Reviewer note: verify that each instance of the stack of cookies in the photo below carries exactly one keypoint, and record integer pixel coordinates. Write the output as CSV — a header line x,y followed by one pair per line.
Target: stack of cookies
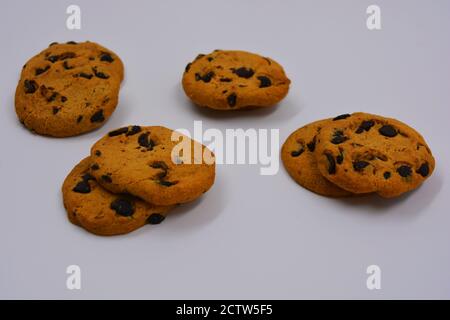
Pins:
x,y
135,176
356,154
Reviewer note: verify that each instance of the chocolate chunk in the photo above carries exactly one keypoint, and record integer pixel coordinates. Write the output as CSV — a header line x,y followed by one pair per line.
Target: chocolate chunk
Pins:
x,y
30,86
159,165
95,167
53,58
52,44
312,145
83,75
188,66
231,99
404,171
340,159
338,137
200,55
134,130
82,187
79,119
123,207
388,131
331,163
52,97
365,126
99,74
210,59
167,183
205,78
155,218
341,117
145,141
87,177
106,178
423,170
387,175
243,72
63,99
66,65
98,116
56,110
41,70
105,56
71,42
360,165
225,80
118,132
264,82
67,55
297,153
98,153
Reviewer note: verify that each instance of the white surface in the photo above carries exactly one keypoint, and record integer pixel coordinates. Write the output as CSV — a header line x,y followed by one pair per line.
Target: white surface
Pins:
x,y
250,236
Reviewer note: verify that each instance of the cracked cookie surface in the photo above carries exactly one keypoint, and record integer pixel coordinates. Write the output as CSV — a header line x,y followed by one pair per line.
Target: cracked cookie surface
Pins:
x,y
365,153
230,80
298,158
68,89
138,160
101,212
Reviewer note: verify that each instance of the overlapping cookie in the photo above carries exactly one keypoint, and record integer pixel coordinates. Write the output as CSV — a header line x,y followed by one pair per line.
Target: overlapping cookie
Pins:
x,y
231,80
101,212
68,89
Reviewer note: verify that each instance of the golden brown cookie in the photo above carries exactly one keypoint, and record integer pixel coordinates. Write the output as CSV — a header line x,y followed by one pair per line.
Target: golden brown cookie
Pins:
x,y
365,153
230,80
139,161
298,158
101,212
68,89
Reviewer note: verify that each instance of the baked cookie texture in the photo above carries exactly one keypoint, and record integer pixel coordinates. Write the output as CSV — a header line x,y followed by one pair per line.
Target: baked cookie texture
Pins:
x,y
297,154
231,80
138,160
365,153
69,89
101,212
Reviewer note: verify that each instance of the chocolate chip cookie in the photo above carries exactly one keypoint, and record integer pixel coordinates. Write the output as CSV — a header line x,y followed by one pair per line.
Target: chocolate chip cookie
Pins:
x,y
101,212
68,89
145,162
230,80
298,158
365,153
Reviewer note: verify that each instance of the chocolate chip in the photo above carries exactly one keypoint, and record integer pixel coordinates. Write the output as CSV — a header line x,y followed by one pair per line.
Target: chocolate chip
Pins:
x,y
30,86
188,66
331,163
79,119
56,110
297,153
145,142
98,116
66,65
167,183
225,80
105,56
95,167
123,207
210,59
106,178
200,55
423,170
231,99
404,171
118,132
155,218
243,72
388,131
41,70
360,165
71,42
134,130
312,144
53,58
67,55
52,97
387,175
82,187
365,126
63,99
87,177
340,159
341,117
338,137
99,74
98,153
83,75
52,44
264,82
205,78
159,165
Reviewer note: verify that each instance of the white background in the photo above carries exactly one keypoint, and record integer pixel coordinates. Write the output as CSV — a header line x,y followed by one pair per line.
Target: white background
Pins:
x,y
250,236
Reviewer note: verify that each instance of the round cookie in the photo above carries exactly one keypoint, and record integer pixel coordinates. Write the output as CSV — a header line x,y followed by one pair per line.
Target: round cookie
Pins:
x,y
230,80
365,153
101,212
298,158
139,161
68,89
